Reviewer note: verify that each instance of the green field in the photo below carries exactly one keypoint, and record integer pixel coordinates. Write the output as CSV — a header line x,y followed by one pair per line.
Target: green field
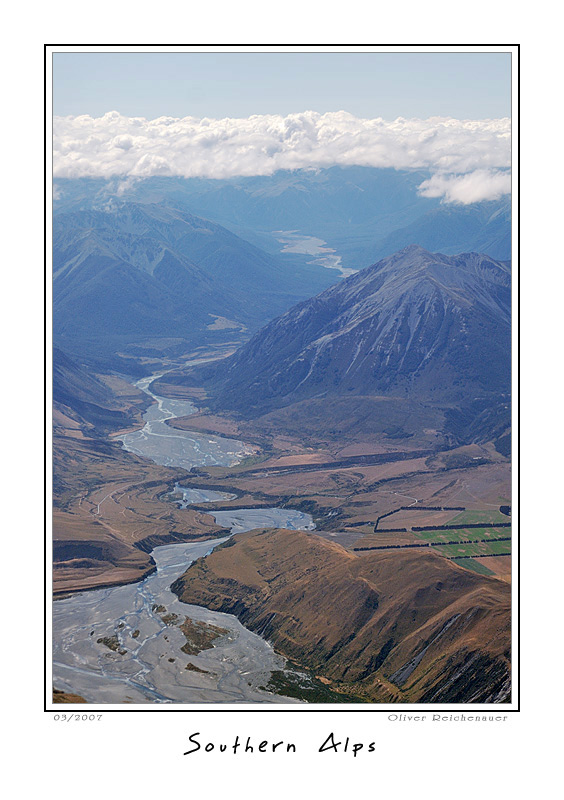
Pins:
x,y
469,563
473,517
477,549
462,534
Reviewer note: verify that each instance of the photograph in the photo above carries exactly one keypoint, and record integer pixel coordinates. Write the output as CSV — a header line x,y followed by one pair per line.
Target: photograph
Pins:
x,y
281,333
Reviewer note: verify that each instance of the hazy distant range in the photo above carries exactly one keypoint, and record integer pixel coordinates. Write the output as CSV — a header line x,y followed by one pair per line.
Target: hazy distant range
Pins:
x,y
172,261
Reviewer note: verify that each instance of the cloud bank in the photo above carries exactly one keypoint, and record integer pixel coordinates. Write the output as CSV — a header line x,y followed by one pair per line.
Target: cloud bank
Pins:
x,y
468,159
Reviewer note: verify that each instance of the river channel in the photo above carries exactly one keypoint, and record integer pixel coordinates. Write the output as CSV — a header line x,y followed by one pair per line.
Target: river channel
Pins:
x,y
325,256
124,644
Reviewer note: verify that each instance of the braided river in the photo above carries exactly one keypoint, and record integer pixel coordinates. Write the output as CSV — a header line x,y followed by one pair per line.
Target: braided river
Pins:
x,y
123,644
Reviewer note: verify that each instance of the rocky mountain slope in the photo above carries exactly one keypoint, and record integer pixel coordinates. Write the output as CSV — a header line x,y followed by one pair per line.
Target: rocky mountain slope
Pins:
x,y
416,325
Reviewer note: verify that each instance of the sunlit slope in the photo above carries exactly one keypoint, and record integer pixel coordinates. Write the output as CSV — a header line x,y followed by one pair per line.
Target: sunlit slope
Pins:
x,y
394,627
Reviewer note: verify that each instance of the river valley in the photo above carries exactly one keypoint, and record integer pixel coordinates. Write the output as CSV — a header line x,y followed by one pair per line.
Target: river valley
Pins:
x,y
173,448
138,643
296,242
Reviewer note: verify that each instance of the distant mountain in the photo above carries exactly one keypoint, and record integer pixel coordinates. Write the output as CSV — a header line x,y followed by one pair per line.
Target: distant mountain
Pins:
x,y
362,212
416,325
312,200
136,272
320,202
450,229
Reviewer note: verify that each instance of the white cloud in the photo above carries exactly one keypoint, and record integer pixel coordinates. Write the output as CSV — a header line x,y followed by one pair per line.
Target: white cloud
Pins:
x,y
465,155
482,184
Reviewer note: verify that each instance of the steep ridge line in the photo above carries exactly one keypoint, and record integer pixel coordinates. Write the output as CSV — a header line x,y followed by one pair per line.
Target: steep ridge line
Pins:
x,y
347,617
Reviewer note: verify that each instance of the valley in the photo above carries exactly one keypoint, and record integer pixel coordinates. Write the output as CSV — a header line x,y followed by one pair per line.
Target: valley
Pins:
x,y
130,644
340,489
372,495
111,507
135,623
296,242
267,490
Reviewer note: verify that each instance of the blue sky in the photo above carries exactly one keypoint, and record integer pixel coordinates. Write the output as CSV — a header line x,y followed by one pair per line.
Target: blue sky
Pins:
x,y
217,85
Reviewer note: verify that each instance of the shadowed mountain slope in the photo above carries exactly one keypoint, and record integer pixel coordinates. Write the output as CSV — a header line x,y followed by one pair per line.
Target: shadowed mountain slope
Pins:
x,y
364,213
479,227
416,325
81,396
137,272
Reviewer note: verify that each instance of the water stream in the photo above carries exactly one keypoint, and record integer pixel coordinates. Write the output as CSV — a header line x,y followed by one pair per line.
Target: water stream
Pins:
x,y
124,644
299,243
175,448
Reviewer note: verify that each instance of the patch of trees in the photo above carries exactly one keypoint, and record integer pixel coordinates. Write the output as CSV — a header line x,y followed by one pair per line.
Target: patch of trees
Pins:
x,y
471,541
462,526
482,555
383,516
392,530
440,544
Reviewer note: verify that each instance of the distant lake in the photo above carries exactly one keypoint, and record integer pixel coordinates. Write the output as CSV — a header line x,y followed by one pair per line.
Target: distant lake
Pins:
x,y
297,242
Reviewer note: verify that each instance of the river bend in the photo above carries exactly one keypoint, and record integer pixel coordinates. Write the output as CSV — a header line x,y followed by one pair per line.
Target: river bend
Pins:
x,y
123,644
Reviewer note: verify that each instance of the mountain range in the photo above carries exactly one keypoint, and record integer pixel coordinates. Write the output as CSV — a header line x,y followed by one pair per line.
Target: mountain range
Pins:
x,y
371,401
136,273
415,326
479,227
362,213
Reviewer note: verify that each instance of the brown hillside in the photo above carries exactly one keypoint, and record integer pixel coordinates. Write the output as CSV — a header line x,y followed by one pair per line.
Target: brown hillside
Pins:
x,y
110,507
398,626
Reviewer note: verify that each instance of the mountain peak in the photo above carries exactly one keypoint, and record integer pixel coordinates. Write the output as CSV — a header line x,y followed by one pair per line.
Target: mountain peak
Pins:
x,y
412,248
415,325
